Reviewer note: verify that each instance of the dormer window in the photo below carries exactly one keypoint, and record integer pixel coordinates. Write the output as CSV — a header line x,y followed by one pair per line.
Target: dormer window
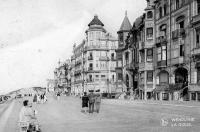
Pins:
x,y
149,14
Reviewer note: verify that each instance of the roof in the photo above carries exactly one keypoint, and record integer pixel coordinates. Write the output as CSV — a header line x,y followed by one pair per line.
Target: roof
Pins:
x,y
95,21
126,25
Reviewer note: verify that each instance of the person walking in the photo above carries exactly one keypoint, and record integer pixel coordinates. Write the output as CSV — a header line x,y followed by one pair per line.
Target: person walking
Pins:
x,y
85,100
35,98
97,102
91,101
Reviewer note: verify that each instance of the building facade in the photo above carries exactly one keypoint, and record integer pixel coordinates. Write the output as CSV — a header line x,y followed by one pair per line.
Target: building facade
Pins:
x,y
95,60
164,43
124,57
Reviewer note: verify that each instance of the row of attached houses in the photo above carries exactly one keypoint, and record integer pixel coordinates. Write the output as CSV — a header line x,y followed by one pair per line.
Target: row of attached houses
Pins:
x,y
158,56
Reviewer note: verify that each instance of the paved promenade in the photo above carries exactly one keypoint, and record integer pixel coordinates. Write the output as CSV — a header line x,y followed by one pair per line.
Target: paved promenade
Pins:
x,y
65,115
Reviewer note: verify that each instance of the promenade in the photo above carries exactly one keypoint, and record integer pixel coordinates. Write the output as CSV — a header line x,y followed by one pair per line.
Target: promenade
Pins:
x,y
65,115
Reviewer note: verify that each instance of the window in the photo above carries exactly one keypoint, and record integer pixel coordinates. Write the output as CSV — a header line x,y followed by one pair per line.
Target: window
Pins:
x,y
149,14
197,38
119,76
149,55
103,53
177,4
198,74
103,76
162,53
90,66
90,78
142,56
121,37
193,96
159,55
165,9
181,50
198,6
112,56
165,96
150,33
113,77
127,58
149,76
160,12
181,24
142,77
163,77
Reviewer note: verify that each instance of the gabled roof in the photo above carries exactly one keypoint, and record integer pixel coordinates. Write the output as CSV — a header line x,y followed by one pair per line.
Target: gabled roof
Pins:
x,y
126,25
95,21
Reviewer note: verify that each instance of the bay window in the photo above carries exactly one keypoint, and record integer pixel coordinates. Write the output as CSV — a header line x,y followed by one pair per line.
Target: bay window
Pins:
x,y
149,33
149,55
162,53
149,76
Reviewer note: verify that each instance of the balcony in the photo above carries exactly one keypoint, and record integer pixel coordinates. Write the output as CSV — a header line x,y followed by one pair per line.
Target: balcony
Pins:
x,y
90,58
78,63
161,40
103,58
196,19
196,51
129,66
90,68
162,63
96,47
141,66
178,33
113,59
178,60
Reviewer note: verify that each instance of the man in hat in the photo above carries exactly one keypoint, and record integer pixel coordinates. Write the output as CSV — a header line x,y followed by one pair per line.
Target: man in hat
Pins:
x,y
91,101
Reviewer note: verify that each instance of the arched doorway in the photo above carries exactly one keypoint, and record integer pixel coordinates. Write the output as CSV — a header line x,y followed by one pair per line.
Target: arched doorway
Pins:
x,y
181,75
181,82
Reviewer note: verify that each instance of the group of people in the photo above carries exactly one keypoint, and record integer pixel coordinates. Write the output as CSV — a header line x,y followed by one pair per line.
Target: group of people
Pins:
x,y
40,98
92,100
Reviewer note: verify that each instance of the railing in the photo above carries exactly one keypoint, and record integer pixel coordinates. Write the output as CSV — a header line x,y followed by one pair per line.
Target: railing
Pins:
x,y
161,39
96,47
103,58
113,59
178,33
90,68
90,58
196,19
162,63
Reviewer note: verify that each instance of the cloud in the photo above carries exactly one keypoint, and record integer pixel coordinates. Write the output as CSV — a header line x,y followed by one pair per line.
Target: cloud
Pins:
x,y
36,33
31,63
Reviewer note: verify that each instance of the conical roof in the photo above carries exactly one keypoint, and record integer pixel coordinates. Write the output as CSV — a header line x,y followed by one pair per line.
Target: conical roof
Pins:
x,y
126,25
95,21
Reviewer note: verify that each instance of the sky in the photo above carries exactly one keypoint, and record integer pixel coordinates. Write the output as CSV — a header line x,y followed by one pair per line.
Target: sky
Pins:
x,y
36,34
